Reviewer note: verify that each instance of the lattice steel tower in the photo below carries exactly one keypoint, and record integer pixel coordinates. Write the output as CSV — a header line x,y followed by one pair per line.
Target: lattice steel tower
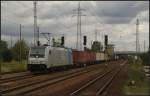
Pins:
x,y
137,37
35,23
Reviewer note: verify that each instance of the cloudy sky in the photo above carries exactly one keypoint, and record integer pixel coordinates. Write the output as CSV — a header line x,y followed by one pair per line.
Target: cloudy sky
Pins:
x,y
117,19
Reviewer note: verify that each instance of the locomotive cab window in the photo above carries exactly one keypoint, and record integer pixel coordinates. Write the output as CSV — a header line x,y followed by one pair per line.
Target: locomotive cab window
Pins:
x,y
37,51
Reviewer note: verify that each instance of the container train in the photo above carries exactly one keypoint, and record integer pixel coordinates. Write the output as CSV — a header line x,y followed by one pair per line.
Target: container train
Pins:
x,y
47,57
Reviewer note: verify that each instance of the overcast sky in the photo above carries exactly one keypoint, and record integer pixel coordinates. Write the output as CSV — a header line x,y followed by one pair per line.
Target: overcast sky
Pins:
x,y
117,19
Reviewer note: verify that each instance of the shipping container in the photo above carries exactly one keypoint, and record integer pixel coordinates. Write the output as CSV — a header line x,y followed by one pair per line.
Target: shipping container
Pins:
x,y
100,57
78,57
83,57
92,57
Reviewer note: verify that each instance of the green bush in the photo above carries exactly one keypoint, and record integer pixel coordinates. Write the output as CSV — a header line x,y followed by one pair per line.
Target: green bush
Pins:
x,y
7,55
136,74
13,66
16,50
145,58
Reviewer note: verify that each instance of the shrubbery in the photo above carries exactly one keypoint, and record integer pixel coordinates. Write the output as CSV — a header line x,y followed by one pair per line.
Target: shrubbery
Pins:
x,y
145,58
8,54
16,50
5,53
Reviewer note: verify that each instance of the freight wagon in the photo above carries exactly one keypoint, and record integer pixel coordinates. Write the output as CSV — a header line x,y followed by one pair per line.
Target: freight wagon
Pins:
x,y
100,57
82,58
47,57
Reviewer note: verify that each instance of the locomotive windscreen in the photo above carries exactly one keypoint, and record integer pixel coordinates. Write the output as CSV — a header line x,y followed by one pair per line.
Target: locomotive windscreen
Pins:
x,y
37,52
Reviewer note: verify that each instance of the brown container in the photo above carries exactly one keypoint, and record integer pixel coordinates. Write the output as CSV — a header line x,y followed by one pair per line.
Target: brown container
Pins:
x,y
92,57
83,57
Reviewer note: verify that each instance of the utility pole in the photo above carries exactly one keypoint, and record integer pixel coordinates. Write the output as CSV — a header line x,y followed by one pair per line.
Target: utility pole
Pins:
x,y
144,46
11,39
79,34
80,27
35,23
77,28
95,34
20,44
38,36
137,37
0,35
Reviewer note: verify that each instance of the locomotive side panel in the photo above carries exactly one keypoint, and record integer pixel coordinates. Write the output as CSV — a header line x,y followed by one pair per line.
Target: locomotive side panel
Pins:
x,y
69,57
58,57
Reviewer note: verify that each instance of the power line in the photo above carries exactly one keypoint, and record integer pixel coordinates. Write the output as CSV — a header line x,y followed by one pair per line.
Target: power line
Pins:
x,y
79,14
97,20
20,45
137,36
24,5
60,23
144,46
95,34
96,17
10,21
35,23
47,35
11,39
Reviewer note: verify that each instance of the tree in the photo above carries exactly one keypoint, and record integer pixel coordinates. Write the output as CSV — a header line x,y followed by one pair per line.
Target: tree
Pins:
x,y
16,50
145,58
3,47
5,53
3,44
97,46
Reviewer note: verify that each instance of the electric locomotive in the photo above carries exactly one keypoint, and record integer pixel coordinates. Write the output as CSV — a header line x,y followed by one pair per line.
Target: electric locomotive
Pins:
x,y
48,57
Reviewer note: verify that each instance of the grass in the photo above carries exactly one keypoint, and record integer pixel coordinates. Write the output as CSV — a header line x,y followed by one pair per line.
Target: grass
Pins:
x,y
136,73
136,90
13,67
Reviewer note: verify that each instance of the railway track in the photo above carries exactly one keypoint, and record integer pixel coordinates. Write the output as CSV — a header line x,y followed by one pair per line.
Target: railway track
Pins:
x,y
29,87
22,89
15,76
104,81
59,89
8,73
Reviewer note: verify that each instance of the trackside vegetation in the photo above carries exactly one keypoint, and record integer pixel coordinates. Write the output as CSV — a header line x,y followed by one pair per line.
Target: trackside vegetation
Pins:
x,y
137,82
10,57
13,66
